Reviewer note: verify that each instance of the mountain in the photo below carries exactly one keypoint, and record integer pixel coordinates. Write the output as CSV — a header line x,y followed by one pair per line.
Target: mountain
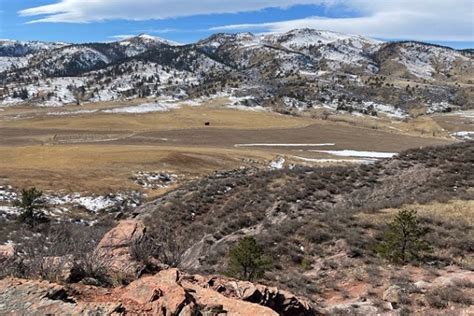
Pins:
x,y
10,48
290,72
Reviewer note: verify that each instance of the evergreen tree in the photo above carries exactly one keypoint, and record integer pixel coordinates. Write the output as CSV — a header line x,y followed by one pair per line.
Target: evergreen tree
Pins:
x,y
403,240
30,205
247,260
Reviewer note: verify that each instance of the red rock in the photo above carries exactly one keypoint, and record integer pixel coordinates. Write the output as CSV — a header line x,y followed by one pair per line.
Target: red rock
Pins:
x,y
31,297
115,245
6,251
161,293
209,297
279,300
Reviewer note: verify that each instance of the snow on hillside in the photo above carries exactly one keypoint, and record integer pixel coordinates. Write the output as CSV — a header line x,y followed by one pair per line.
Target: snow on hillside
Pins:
x,y
308,37
297,70
84,55
421,60
7,63
157,39
12,48
337,49
141,43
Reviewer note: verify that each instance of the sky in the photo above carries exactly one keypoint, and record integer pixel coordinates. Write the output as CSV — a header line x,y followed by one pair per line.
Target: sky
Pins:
x,y
444,22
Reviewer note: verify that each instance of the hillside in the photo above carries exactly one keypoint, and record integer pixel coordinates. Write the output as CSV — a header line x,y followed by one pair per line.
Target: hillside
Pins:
x,y
282,206
319,226
292,72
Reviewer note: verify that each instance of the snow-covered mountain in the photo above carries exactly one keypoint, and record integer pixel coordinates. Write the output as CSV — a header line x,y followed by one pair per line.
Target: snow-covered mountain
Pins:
x,y
16,54
9,48
297,70
144,40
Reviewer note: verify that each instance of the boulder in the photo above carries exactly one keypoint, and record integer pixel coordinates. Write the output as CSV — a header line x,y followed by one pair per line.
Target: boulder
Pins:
x,y
422,286
6,251
352,308
161,294
115,245
392,294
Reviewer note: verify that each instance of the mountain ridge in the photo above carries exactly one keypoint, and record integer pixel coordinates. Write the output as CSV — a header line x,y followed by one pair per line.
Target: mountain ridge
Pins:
x,y
289,65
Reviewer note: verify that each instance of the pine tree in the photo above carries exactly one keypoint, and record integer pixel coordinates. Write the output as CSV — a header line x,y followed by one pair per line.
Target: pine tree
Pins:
x,y
30,205
403,240
247,260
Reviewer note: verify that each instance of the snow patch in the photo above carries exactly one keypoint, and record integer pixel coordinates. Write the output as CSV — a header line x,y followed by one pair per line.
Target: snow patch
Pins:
x,y
144,108
277,164
256,108
72,112
334,160
283,145
464,135
356,153
154,179
8,210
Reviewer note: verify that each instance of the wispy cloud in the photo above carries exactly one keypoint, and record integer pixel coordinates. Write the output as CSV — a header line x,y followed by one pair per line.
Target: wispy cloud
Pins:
x,y
79,11
391,19
121,36
162,31
394,19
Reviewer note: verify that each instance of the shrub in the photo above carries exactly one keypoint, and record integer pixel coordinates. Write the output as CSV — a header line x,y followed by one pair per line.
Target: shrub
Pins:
x,y
166,244
403,240
306,264
247,260
90,267
58,253
440,297
142,249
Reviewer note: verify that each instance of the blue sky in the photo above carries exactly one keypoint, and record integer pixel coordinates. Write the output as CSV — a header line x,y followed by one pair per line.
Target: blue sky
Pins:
x,y
437,21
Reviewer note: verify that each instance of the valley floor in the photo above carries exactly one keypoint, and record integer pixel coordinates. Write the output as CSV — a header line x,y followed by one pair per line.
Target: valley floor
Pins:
x,y
88,150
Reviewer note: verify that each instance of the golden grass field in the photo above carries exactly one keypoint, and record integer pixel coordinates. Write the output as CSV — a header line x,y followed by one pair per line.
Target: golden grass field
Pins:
x,y
103,169
99,152
456,210
184,118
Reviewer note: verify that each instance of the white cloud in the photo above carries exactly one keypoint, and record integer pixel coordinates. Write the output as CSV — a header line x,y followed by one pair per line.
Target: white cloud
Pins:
x,y
394,19
163,31
122,36
79,11
440,20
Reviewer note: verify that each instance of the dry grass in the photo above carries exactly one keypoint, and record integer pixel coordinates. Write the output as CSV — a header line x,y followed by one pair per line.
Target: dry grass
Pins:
x,y
450,227
184,118
424,126
455,211
455,122
69,153
102,169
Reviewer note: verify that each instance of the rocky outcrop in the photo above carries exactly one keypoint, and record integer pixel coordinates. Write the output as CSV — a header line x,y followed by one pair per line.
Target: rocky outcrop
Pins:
x,y
161,294
230,306
281,301
178,293
169,292
28,297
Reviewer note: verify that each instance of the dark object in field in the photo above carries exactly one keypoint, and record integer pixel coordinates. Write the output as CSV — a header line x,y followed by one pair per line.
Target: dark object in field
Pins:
x,y
207,123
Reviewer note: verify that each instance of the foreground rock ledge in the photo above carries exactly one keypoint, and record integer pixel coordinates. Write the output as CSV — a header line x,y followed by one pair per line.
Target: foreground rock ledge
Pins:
x,y
169,292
